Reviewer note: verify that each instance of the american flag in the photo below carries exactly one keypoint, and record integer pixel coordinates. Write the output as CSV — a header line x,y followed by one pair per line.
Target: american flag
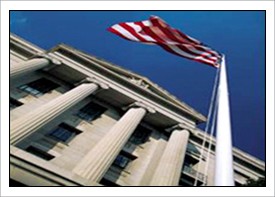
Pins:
x,y
157,31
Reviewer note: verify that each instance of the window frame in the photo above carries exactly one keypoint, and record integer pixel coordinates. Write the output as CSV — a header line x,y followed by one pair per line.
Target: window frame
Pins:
x,y
67,129
39,87
140,135
89,116
39,153
127,157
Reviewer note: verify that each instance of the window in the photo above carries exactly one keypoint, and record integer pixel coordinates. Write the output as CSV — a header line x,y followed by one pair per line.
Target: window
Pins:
x,y
39,153
39,87
190,160
123,159
106,182
191,148
140,135
64,133
14,103
91,111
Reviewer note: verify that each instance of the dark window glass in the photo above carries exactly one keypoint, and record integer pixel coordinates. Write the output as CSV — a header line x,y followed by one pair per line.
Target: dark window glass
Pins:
x,y
64,133
91,111
190,161
39,153
106,182
14,103
140,135
39,87
123,159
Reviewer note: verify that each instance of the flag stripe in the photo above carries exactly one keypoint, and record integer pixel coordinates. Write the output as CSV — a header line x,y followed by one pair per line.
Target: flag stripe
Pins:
x,y
175,49
145,38
169,49
190,48
127,27
180,50
121,31
172,33
163,25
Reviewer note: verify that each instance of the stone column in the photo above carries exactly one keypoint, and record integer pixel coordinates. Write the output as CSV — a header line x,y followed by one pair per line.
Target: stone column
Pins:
x,y
29,123
169,168
40,61
96,162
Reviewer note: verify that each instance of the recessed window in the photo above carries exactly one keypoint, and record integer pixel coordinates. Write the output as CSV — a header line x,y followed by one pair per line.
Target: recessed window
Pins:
x,y
106,182
14,103
190,161
140,135
39,153
39,87
123,159
91,111
64,133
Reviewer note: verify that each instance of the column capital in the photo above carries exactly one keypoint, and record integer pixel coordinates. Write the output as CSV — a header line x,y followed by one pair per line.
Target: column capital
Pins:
x,y
96,81
48,57
179,126
142,105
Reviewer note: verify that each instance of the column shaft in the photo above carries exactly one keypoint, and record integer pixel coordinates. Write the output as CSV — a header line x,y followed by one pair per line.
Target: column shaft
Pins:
x,y
96,162
170,165
28,66
34,120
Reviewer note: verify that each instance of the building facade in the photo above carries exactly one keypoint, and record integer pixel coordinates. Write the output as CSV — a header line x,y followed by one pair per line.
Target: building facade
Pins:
x,y
77,120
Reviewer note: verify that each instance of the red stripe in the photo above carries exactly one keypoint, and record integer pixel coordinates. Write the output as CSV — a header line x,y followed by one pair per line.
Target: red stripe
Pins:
x,y
161,42
186,37
203,48
169,32
173,32
132,31
165,47
192,41
200,46
110,29
150,33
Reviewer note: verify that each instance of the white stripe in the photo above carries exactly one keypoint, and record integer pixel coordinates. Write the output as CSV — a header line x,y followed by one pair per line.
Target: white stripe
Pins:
x,y
209,49
189,47
183,53
193,39
147,23
167,40
138,29
125,33
199,52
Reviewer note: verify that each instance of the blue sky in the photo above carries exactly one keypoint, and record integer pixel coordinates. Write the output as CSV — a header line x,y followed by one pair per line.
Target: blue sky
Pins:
x,y
240,35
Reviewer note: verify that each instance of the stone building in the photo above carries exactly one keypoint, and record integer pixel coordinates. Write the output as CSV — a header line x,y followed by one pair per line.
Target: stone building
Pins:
x,y
77,120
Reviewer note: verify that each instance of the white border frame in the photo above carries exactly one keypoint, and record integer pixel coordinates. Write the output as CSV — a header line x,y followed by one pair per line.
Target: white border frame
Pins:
x,y
138,5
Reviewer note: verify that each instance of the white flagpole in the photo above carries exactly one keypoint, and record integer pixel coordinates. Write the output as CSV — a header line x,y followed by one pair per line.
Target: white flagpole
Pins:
x,y
224,174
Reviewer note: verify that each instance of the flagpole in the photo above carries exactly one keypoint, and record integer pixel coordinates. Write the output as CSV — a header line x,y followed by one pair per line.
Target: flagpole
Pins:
x,y
224,174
